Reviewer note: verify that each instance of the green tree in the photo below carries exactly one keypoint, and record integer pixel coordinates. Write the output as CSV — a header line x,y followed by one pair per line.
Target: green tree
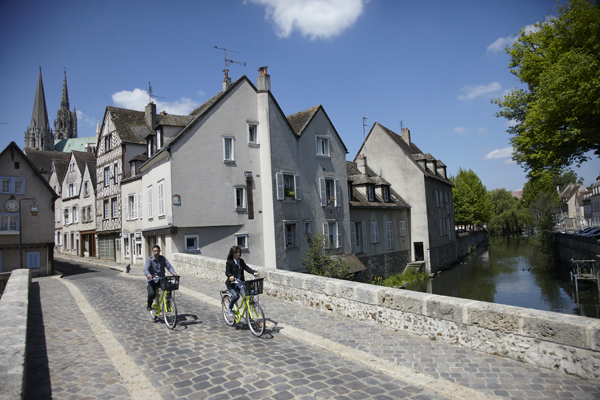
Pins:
x,y
509,214
544,219
318,259
541,183
472,205
558,115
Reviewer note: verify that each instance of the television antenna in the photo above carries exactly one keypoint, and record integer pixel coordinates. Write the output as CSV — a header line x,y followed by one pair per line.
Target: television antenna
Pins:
x,y
150,95
229,61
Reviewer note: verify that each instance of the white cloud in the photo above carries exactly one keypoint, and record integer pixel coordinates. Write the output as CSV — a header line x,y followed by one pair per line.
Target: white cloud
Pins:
x,y
511,122
82,117
318,19
499,153
138,98
482,130
475,91
461,130
500,43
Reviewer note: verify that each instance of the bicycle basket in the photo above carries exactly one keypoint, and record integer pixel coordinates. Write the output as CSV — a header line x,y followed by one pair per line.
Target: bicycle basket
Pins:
x,y
169,283
254,286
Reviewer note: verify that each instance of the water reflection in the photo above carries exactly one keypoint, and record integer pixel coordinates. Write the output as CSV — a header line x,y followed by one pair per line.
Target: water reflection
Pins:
x,y
511,271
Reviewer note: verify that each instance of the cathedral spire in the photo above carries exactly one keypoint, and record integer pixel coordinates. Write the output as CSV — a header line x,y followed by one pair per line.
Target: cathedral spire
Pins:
x,y
39,135
64,101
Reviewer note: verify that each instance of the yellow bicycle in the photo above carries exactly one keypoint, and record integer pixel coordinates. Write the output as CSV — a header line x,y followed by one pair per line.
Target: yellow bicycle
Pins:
x,y
246,307
165,303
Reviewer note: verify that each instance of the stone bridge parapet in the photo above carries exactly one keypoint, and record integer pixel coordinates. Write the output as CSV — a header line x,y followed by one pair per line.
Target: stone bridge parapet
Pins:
x,y
559,342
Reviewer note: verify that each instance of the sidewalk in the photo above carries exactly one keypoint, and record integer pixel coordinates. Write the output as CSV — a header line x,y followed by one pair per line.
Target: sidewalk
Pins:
x,y
447,370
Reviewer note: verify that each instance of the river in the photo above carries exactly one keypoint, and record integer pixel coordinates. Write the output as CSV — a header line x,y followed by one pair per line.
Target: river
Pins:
x,y
510,270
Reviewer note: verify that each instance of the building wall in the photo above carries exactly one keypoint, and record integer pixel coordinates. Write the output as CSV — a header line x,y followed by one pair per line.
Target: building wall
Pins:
x,y
134,248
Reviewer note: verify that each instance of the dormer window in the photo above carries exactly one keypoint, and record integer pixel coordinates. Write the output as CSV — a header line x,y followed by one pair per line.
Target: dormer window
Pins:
x,y
386,193
159,139
371,192
132,169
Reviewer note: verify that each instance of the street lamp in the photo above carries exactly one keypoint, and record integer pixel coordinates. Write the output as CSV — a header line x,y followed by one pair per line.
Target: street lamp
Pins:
x,y
34,210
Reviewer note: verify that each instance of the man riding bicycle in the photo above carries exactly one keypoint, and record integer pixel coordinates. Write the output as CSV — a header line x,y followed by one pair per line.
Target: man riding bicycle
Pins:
x,y
155,266
234,269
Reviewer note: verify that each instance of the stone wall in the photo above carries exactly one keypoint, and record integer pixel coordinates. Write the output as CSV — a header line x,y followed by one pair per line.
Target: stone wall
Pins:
x,y
384,265
559,342
577,247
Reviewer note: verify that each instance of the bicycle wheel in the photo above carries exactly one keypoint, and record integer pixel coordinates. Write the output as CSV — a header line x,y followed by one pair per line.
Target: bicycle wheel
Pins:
x,y
256,319
170,312
229,319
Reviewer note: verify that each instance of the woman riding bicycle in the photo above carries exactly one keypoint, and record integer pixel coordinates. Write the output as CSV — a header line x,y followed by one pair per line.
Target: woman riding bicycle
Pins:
x,y
234,269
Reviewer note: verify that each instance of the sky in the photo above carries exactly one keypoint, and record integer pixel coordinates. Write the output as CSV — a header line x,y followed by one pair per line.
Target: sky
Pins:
x,y
431,66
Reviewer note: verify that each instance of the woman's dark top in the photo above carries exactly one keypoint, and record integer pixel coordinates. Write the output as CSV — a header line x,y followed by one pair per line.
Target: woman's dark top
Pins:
x,y
231,269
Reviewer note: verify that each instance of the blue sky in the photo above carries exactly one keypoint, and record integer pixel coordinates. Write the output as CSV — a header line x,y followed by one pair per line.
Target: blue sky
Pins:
x,y
431,65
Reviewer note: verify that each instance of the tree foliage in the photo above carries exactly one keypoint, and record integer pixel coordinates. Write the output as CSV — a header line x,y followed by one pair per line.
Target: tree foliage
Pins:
x,y
509,213
318,260
545,182
544,219
472,205
558,115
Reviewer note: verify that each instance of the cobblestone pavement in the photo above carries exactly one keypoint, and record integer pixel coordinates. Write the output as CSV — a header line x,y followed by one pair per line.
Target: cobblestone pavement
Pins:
x,y
204,358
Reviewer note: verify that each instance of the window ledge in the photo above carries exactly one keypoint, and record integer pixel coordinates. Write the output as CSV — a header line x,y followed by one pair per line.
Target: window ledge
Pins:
x,y
229,162
9,232
241,210
254,145
323,156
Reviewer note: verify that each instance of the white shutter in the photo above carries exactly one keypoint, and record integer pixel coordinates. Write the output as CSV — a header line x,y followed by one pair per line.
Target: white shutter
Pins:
x,y
279,181
338,194
140,215
353,236
364,237
149,201
390,234
126,208
326,234
298,189
134,211
323,192
339,234
374,232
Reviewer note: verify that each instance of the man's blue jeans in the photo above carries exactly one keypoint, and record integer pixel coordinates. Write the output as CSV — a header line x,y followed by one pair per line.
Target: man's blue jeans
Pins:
x,y
235,295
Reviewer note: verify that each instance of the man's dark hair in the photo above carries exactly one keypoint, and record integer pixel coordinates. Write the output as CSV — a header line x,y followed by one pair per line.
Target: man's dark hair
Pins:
x,y
156,247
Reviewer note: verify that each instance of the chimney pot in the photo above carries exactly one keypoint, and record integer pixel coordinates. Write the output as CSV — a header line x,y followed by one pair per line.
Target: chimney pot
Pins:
x,y
263,83
406,135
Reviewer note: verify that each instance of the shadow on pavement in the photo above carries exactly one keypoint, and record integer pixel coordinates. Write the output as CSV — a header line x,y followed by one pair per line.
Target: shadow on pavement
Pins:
x,y
68,268
37,371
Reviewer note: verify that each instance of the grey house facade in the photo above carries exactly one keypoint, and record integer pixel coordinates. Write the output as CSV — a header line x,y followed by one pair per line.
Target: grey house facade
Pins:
x,y
242,173
422,182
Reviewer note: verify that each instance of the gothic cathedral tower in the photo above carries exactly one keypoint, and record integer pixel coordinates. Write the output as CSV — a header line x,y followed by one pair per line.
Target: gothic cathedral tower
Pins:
x,y
38,135
65,124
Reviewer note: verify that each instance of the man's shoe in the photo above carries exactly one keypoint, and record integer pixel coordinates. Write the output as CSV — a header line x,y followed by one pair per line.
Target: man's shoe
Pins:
x,y
148,308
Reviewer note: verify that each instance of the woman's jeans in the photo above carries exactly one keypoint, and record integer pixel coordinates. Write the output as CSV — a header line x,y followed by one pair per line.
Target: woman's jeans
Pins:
x,y
235,295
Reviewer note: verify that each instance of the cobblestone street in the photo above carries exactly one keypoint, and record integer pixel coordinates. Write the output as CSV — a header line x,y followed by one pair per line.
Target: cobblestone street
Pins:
x,y
110,348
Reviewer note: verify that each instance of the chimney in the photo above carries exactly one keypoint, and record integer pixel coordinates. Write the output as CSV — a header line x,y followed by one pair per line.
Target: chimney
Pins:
x,y
151,115
406,135
226,80
263,83
361,164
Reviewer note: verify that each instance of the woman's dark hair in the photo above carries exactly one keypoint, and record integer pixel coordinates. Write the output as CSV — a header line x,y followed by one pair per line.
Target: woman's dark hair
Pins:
x,y
232,251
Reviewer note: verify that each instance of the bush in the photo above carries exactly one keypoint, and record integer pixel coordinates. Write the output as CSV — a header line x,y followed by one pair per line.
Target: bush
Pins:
x,y
318,260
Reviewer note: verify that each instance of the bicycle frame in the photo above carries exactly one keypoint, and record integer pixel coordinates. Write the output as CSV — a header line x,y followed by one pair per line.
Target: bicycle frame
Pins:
x,y
241,311
249,308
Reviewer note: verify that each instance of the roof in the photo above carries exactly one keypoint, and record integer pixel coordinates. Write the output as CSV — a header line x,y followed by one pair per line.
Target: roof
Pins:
x,y
79,144
413,152
131,125
569,191
82,158
359,200
42,160
14,147
173,120
60,167
300,120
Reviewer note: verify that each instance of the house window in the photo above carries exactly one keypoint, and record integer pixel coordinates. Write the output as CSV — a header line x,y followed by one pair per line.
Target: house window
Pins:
x,y
374,232
241,241
192,242
71,189
115,207
72,167
126,244
159,139
358,237
333,233
386,193
86,189
288,186
138,244
390,234
132,207
161,198
66,216
371,192
252,133
291,235
5,185
240,198
116,173
9,222
330,192
19,186
107,142
307,228
228,151
150,201
58,238
106,176
33,259
12,185
106,214
349,191
402,226
75,215
149,149
322,146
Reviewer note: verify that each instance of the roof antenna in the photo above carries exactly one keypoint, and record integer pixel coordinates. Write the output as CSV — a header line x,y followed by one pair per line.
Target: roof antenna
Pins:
x,y
150,95
229,61
364,132
401,125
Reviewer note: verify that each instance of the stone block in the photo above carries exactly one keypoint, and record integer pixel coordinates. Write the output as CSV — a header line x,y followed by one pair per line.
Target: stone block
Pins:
x,y
294,280
570,330
346,290
446,308
594,335
316,284
403,300
367,294
492,316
